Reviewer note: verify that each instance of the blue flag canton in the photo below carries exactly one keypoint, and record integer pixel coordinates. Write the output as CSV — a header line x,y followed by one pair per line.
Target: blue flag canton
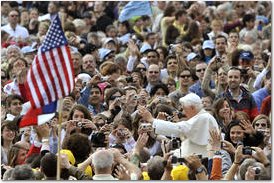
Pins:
x,y
55,36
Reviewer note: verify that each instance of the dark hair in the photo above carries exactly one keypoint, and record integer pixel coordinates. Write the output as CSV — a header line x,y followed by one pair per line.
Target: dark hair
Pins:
x,y
169,10
149,34
80,150
179,13
12,97
169,57
158,86
126,24
163,108
11,126
112,91
22,172
81,108
125,120
247,18
230,125
152,50
49,164
220,36
218,104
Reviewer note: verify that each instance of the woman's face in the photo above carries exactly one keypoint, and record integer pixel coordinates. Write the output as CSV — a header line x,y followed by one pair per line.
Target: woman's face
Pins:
x,y
172,65
21,156
160,93
225,110
236,134
222,76
8,134
208,52
261,124
78,115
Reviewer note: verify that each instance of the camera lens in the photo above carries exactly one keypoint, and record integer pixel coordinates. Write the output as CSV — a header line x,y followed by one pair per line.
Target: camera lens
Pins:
x,y
79,124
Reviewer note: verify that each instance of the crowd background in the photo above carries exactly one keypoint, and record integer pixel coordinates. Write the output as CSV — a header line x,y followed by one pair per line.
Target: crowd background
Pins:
x,y
130,73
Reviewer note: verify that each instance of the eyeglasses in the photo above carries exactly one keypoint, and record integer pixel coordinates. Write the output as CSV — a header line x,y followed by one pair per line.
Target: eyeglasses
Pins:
x,y
185,76
114,97
200,70
14,15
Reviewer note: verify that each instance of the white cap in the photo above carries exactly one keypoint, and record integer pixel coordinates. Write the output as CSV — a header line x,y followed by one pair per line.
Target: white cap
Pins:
x,y
208,44
191,98
84,77
191,56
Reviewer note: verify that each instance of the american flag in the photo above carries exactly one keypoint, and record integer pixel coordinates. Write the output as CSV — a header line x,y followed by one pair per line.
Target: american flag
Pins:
x,y
51,75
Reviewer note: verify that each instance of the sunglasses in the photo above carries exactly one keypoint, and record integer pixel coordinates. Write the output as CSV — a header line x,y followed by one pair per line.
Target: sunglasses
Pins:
x,y
240,6
114,97
155,72
141,69
259,124
199,70
185,76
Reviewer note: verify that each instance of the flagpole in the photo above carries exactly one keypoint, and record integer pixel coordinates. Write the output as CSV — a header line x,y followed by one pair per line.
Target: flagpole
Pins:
x,y
59,138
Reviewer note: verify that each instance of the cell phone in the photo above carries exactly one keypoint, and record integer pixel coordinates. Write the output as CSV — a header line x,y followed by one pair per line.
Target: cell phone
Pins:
x,y
247,150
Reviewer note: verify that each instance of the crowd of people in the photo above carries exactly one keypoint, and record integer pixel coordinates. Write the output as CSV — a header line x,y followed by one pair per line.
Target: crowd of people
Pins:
x,y
182,93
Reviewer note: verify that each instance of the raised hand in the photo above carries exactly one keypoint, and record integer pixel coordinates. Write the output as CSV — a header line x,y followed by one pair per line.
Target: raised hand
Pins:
x,y
121,173
228,147
247,126
146,115
215,139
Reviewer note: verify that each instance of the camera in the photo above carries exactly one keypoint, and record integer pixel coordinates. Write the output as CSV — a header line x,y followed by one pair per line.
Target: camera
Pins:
x,y
105,78
257,170
145,125
98,139
129,79
79,124
175,144
175,160
170,118
247,150
218,59
136,97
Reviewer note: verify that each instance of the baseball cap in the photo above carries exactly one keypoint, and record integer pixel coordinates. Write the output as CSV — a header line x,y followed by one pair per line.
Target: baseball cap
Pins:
x,y
191,56
103,52
109,39
208,44
145,47
69,154
84,77
246,55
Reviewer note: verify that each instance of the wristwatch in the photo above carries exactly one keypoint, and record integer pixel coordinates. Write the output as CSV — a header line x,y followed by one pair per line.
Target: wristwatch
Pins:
x,y
200,170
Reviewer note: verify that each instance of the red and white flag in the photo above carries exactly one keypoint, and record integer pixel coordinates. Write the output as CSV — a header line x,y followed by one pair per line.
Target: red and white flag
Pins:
x,y
51,75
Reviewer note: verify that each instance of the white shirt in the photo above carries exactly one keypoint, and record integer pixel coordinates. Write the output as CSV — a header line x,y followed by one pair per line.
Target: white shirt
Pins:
x,y
193,132
12,88
19,31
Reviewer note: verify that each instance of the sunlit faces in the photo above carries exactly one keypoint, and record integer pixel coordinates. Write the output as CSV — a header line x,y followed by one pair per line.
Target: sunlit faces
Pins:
x,y
200,70
261,124
185,78
78,115
13,53
234,79
77,61
89,63
220,44
172,65
225,110
15,107
13,17
95,96
8,134
222,76
152,57
236,134
233,38
206,101
153,73
18,65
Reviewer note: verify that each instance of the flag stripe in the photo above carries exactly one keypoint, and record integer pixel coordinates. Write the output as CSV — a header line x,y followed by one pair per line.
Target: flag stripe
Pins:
x,y
55,68
51,78
65,79
42,83
60,71
35,87
31,90
68,61
54,75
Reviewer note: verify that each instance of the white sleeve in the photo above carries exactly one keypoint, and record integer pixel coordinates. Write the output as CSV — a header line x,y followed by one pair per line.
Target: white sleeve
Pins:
x,y
259,78
170,129
131,62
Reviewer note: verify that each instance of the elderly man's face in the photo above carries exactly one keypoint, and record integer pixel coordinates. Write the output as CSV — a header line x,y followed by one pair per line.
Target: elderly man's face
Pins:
x,y
89,63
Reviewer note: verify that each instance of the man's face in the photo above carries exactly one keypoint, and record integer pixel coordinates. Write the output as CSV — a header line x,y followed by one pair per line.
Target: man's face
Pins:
x,y
233,38
153,74
15,107
234,79
185,78
246,63
221,45
152,58
152,39
89,64
13,17
77,62
200,70
13,53
95,95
